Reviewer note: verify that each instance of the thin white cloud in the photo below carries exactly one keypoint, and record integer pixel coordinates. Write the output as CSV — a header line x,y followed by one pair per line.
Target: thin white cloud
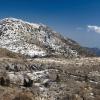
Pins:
x,y
94,28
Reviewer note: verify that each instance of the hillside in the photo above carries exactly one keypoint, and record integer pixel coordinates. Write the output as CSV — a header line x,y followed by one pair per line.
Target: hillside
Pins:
x,y
50,79
37,40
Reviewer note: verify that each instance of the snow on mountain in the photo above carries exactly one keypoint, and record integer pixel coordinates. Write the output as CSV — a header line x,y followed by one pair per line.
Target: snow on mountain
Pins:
x,y
15,34
33,39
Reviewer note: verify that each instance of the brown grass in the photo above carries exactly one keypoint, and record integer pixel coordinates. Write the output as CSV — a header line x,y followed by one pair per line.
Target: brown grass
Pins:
x,y
6,53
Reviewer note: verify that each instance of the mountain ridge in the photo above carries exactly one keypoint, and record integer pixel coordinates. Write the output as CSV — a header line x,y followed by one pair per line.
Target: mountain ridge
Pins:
x,y
94,50
33,40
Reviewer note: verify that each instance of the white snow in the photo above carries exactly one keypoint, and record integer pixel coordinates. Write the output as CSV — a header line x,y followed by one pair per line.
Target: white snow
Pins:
x,y
27,38
10,19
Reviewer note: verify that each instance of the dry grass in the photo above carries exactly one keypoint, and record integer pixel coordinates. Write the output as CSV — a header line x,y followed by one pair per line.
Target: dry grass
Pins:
x,y
6,53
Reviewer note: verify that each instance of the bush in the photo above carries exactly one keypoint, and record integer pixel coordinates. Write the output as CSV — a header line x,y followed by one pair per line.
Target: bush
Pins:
x,y
57,78
2,81
28,83
7,82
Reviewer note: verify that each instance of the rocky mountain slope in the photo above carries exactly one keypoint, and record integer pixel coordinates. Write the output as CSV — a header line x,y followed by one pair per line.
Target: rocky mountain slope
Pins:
x,y
36,40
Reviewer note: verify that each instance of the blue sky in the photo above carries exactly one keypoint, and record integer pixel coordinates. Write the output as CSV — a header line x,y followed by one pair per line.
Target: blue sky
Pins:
x,y
76,19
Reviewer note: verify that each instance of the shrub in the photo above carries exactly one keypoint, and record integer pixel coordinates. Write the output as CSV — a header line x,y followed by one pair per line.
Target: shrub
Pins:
x,y
2,81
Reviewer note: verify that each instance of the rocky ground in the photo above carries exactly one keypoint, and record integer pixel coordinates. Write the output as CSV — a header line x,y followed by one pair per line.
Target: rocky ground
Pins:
x,y
49,79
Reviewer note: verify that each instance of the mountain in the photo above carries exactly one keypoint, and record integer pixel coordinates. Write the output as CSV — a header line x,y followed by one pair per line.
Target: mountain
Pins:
x,y
36,40
95,50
